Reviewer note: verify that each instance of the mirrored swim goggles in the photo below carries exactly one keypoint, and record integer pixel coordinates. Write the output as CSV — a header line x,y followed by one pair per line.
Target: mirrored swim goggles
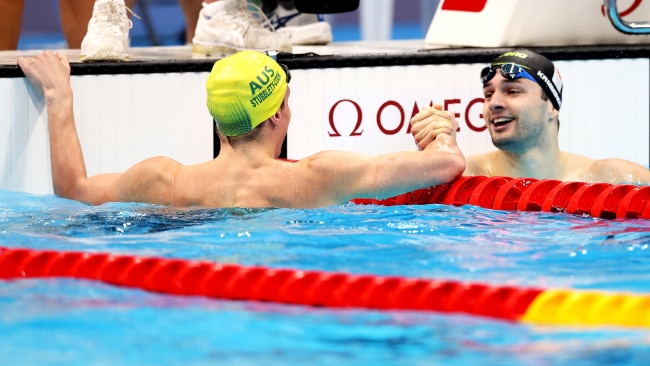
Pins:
x,y
286,72
510,71
274,56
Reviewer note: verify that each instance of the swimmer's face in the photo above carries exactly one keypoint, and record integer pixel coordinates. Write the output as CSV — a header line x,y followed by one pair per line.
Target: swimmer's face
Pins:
x,y
514,112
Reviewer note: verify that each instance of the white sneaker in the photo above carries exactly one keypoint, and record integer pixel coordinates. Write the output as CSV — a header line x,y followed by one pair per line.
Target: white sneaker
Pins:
x,y
107,37
301,28
234,28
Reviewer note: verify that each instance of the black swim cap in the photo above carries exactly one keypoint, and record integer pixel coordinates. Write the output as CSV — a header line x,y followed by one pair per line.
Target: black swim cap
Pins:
x,y
541,68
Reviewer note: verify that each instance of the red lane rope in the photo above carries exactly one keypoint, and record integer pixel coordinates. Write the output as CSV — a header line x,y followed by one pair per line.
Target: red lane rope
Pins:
x,y
602,200
335,290
289,286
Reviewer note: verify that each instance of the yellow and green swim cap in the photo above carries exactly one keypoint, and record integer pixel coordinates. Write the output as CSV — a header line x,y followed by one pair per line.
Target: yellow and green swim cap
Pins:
x,y
244,90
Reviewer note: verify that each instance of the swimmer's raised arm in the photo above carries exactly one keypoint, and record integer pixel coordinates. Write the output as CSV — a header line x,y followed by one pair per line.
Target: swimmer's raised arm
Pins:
x,y
49,73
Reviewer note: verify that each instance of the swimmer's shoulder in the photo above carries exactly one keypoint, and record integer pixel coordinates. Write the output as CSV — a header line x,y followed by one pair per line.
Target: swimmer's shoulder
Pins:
x,y
478,164
615,170
609,170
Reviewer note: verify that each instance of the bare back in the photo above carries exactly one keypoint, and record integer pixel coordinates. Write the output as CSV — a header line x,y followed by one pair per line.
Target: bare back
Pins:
x,y
232,181
323,179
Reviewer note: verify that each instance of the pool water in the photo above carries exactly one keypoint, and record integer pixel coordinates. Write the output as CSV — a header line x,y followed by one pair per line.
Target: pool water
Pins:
x,y
63,321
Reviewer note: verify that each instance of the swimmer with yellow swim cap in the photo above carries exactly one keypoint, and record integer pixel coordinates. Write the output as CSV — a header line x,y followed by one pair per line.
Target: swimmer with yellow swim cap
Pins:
x,y
248,98
244,90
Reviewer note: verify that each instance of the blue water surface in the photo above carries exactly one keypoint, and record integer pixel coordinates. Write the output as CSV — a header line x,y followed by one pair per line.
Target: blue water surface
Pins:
x,y
79,322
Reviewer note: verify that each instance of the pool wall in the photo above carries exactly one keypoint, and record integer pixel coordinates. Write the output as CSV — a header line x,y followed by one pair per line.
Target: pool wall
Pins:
x,y
355,96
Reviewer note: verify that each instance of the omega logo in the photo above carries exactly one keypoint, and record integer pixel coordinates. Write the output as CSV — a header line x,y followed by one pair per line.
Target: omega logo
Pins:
x,y
386,112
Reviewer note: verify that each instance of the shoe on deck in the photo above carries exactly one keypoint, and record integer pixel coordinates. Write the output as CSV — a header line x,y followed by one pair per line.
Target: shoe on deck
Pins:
x,y
107,37
301,28
232,28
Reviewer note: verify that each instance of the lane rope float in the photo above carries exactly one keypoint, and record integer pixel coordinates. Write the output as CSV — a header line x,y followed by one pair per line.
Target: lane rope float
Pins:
x,y
331,289
603,200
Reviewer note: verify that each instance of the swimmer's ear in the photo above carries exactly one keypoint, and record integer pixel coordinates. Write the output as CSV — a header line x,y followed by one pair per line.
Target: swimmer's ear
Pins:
x,y
275,119
555,114
278,114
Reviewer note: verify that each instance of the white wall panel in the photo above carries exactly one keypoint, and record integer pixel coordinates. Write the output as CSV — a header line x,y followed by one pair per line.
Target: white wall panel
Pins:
x,y
121,120
606,108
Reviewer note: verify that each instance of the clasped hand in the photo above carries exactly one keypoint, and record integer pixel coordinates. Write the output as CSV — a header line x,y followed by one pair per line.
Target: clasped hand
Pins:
x,y
431,122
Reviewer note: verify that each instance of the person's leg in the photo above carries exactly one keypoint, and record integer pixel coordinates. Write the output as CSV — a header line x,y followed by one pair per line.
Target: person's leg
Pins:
x,y
191,10
75,15
301,28
11,16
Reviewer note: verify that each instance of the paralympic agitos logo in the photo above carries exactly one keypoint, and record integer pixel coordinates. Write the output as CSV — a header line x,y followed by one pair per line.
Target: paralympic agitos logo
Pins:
x,y
347,117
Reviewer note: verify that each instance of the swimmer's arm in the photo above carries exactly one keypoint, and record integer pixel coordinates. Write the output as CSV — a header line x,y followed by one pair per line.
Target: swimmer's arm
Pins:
x,y
49,73
441,161
348,175
149,181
